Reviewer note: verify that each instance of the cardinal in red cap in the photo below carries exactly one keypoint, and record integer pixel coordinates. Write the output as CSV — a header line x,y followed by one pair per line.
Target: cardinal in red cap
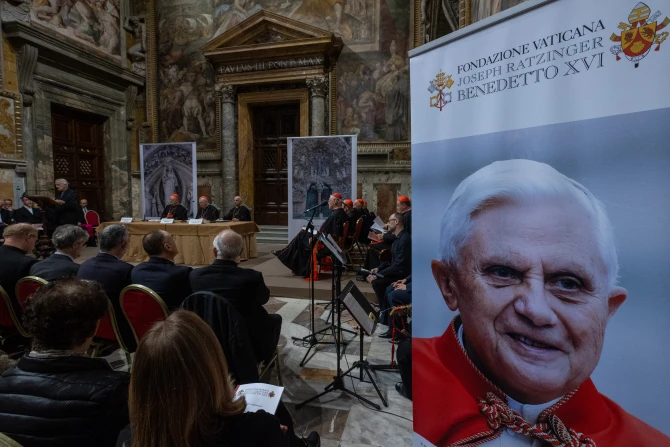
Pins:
x,y
175,210
296,255
206,210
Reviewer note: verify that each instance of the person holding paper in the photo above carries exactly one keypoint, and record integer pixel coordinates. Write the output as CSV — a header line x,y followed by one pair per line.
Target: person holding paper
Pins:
x,y
206,210
181,394
527,258
175,210
384,241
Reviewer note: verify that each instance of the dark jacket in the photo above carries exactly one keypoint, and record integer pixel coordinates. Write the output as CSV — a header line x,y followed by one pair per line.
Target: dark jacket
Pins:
x,y
368,220
63,401
390,237
14,265
22,215
209,213
401,261
246,290
240,213
179,212
333,225
231,331
67,213
55,267
353,217
7,216
169,281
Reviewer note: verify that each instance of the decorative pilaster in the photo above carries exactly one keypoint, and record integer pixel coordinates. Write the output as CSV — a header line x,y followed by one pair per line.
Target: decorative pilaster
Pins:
x,y
318,88
227,95
27,61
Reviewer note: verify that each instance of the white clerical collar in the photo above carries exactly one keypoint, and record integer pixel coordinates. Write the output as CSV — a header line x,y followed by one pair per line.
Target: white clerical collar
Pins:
x,y
530,413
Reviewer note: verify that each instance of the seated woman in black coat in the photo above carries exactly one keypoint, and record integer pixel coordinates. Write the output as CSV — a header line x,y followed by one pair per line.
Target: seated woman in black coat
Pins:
x,y
181,394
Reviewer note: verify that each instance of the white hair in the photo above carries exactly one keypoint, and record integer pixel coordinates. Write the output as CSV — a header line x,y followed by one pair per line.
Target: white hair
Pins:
x,y
61,181
520,181
228,245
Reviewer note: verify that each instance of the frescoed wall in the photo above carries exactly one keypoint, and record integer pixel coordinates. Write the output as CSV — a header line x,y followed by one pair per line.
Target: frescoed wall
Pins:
x,y
94,23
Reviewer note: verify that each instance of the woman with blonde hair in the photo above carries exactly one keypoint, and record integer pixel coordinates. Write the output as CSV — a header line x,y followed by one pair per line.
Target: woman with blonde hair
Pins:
x,y
181,394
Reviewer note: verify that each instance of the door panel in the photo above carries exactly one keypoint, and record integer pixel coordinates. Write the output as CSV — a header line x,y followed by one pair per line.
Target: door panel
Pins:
x,y
271,126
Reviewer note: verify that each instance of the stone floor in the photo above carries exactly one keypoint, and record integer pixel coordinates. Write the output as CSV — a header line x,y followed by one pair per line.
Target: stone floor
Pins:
x,y
340,419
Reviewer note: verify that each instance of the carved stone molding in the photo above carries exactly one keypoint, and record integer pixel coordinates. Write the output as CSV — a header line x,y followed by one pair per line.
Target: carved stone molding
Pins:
x,y
15,11
27,61
318,86
131,95
226,92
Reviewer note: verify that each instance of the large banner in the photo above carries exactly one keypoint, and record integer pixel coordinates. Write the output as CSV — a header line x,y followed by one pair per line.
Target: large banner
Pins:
x,y
168,168
540,161
318,167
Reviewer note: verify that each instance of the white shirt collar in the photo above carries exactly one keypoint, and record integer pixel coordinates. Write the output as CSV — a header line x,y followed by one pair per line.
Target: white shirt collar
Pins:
x,y
529,413
28,208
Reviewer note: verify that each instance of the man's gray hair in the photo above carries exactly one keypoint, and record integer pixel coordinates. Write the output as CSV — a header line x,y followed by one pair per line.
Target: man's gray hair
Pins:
x,y
228,245
520,181
112,236
66,236
62,181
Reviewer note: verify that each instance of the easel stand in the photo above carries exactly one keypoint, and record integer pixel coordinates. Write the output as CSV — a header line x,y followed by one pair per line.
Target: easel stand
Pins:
x,y
338,381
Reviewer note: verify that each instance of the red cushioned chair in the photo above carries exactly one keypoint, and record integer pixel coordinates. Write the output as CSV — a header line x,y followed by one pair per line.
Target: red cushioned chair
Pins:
x,y
26,287
9,322
142,308
108,334
92,218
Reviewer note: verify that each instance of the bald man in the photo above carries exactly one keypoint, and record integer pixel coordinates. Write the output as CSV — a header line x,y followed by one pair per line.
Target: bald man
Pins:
x,y
238,213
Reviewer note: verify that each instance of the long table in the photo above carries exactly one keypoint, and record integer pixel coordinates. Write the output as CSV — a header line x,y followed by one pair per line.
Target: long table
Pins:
x,y
193,241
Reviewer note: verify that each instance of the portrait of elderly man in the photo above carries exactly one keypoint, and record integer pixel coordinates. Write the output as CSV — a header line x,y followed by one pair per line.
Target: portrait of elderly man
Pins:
x,y
527,258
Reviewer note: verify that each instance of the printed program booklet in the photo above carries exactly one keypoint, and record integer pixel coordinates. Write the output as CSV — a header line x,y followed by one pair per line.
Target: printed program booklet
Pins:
x,y
260,396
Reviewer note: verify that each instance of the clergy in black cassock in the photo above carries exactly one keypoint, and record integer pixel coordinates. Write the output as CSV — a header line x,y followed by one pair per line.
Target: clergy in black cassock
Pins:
x,y
175,210
206,210
296,254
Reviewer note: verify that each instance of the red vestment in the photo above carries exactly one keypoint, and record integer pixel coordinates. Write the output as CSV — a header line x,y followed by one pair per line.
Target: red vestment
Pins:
x,y
447,388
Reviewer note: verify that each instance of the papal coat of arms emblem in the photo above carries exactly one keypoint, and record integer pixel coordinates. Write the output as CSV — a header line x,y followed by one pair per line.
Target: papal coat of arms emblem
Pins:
x,y
441,98
640,34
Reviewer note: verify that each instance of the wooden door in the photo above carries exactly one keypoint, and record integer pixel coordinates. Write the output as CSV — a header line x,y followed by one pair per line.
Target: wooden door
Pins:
x,y
77,140
271,126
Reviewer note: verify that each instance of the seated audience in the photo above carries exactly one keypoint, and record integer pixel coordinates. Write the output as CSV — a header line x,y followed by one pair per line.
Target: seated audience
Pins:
x,y
159,273
175,210
385,241
14,262
245,288
296,255
112,273
206,210
28,213
398,294
238,213
193,404
368,220
69,241
399,268
8,205
353,215
56,395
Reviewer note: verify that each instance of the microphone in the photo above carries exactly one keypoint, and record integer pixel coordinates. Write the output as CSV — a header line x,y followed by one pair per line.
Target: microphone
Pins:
x,y
324,203
370,273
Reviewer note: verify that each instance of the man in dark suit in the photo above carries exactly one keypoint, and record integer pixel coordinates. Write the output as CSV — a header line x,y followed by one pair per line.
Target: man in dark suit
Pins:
x,y
385,241
399,268
112,273
238,213
175,210
83,209
69,241
159,273
67,210
245,288
28,214
14,263
206,210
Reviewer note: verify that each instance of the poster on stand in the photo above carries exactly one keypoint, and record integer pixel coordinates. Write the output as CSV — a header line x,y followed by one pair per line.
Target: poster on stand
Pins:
x,y
540,169
166,169
318,167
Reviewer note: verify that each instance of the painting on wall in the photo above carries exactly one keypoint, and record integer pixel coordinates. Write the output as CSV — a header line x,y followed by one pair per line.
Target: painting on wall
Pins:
x,y
7,126
373,88
94,23
355,21
187,110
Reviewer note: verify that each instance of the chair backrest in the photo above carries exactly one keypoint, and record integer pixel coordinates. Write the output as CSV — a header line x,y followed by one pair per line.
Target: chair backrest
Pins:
x,y
92,218
345,232
8,318
26,287
6,441
142,308
108,329
357,233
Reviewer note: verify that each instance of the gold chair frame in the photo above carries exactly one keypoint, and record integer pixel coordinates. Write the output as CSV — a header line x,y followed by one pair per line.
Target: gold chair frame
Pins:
x,y
148,291
6,441
25,279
